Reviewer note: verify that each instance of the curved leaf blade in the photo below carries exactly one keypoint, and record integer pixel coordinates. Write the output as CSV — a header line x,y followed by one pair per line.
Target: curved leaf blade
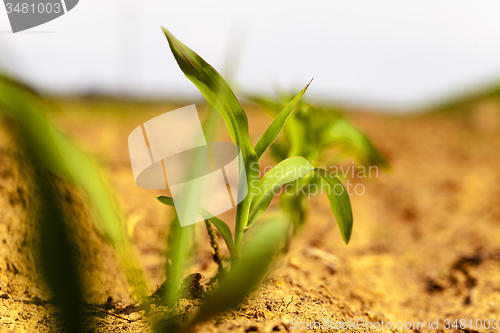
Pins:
x,y
274,129
215,89
292,169
218,93
339,204
284,172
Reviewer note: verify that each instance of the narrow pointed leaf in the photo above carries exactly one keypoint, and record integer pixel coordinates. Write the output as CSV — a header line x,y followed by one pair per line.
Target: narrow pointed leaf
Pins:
x,y
215,89
274,129
218,93
219,224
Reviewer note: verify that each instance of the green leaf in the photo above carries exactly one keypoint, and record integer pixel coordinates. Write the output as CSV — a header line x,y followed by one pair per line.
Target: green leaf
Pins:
x,y
218,93
274,129
292,169
284,172
215,89
262,247
219,224
339,203
54,152
180,245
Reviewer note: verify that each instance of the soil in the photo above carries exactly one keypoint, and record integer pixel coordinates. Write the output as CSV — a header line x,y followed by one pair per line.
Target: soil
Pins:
x,y
425,244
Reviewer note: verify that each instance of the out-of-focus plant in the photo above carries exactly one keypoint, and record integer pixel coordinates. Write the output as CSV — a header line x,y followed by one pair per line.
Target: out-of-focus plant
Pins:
x,y
311,132
251,253
464,103
51,154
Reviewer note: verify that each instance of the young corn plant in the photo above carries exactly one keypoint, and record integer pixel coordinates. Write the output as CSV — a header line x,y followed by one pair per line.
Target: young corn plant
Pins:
x,y
311,132
251,255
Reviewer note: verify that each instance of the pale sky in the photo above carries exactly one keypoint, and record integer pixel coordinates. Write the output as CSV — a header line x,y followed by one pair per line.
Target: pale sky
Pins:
x,y
387,52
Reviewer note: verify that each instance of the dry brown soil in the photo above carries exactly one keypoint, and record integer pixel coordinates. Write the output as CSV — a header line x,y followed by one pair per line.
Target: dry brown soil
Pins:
x,y
425,244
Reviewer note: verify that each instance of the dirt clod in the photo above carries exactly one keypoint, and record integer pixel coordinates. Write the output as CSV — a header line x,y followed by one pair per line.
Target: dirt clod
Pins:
x,y
194,286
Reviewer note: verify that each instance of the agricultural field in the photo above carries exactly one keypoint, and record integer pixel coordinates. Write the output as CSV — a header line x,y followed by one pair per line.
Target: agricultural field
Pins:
x,y
424,243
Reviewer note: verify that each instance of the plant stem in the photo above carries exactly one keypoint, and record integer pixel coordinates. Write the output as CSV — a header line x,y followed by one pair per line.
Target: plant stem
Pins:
x,y
215,245
242,212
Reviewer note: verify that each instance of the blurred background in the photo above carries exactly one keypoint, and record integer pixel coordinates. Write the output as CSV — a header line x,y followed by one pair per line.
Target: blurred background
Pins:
x,y
390,55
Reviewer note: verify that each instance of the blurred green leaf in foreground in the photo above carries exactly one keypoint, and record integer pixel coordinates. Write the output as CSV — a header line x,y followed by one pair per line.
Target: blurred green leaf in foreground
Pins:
x,y
51,155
